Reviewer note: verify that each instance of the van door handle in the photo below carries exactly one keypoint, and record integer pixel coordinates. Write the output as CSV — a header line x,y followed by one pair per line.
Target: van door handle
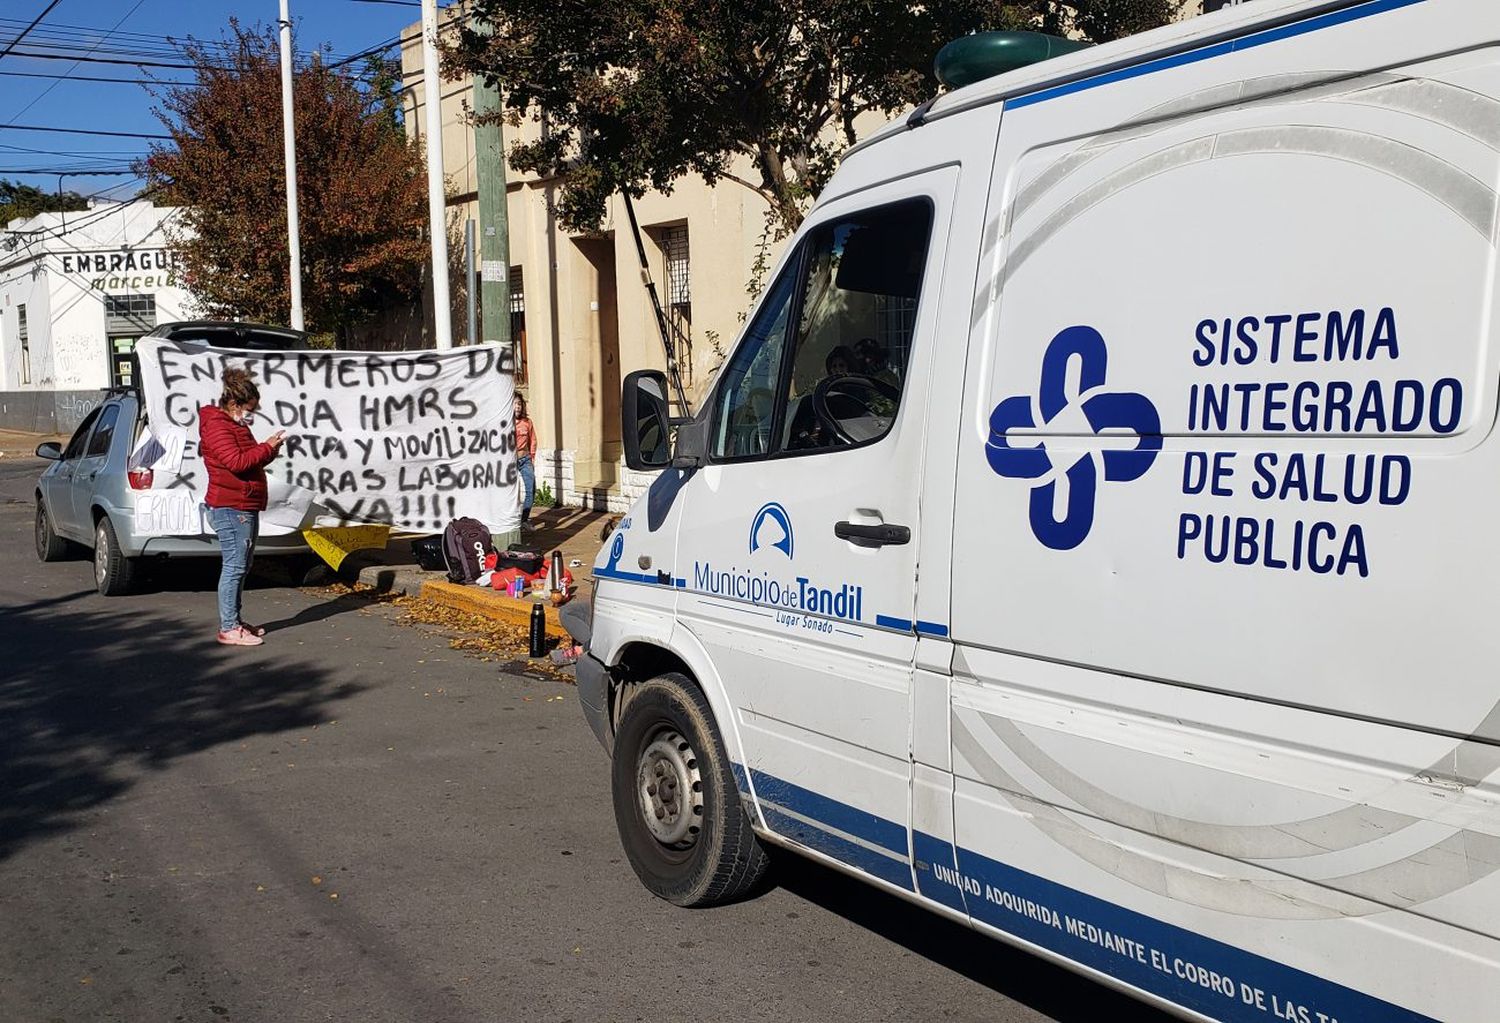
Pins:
x,y
872,536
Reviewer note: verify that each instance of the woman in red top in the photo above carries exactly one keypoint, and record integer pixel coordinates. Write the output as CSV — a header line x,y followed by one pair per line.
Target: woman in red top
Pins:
x,y
236,493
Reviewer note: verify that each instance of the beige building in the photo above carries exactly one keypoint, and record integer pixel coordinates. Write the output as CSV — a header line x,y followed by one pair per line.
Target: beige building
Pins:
x,y
581,314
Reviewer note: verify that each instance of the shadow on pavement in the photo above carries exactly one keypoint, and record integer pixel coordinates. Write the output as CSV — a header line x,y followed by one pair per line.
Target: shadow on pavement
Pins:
x,y
341,604
90,700
1049,989
201,575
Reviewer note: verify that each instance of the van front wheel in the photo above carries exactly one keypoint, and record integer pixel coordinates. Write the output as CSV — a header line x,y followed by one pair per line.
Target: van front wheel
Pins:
x,y
676,802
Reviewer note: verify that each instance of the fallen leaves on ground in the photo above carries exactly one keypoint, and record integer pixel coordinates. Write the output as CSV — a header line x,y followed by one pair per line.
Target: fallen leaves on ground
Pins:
x,y
474,634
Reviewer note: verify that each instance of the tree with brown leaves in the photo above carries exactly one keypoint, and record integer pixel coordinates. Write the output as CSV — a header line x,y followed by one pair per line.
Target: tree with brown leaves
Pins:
x,y
361,187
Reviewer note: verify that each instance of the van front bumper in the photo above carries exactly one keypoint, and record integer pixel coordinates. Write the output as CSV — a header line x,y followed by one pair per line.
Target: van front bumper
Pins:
x,y
593,695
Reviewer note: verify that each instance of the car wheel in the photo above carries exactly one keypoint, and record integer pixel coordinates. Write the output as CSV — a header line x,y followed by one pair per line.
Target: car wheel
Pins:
x,y
49,546
113,572
676,803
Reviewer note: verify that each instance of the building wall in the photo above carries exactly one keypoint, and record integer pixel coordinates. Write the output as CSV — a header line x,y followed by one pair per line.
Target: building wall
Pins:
x,y
62,270
589,319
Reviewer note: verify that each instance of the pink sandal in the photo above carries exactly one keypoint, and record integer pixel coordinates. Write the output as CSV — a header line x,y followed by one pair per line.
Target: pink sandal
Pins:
x,y
240,636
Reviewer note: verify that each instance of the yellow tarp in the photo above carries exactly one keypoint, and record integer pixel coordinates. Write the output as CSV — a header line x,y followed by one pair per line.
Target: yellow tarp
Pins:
x,y
335,543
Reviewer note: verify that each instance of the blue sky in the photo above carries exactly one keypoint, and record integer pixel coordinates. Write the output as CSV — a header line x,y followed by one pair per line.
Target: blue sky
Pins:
x,y
94,29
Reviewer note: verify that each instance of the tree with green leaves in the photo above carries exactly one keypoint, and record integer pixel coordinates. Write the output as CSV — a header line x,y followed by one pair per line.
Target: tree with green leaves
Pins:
x,y
18,201
1100,21
637,93
361,186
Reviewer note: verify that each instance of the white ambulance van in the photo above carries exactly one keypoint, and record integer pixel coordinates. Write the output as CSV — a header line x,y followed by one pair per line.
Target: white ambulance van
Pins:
x,y
1089,536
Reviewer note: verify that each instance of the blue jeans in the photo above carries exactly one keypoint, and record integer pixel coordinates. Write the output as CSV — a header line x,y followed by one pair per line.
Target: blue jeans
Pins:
x,y
236,531
528,484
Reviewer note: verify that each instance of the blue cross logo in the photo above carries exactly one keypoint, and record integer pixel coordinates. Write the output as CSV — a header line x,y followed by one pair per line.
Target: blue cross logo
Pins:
x,y
1077,474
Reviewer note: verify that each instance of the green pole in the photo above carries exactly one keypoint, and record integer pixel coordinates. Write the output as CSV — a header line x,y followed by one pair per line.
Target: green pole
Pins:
x,y
494,230
494,233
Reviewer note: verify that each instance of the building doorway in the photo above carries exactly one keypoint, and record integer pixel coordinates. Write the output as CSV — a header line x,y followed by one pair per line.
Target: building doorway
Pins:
x,y
126,319
596,466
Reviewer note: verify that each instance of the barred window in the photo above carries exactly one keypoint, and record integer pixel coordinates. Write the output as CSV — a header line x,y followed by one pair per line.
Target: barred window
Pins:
x,y
129,314
674,246
518,321
674,243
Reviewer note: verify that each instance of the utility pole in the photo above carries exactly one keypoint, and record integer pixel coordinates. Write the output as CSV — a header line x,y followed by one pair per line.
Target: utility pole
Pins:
x,y
494,244
432,91
472,336
289,150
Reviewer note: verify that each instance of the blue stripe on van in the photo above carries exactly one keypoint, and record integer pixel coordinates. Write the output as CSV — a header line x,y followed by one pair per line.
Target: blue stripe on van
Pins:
x,y
934,852
1186,968
860,823
931,628
1271,35
888,622
896,872
1198,973
627,577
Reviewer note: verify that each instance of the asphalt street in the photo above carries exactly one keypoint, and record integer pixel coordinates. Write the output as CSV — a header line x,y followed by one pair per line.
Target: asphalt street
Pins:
x,y
356,822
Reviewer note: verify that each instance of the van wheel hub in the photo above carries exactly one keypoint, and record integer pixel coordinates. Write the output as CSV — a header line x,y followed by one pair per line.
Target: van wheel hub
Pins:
x,y
671,790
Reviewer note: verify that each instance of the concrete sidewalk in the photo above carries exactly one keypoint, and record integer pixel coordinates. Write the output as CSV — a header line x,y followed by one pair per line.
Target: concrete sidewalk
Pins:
x,y
18,444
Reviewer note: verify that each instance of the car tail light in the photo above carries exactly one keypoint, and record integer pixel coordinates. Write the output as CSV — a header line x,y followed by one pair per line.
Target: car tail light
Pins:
x,y
140,479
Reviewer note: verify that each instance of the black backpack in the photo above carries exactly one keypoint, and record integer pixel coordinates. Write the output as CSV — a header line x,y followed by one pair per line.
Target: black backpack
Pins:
x,y
465,543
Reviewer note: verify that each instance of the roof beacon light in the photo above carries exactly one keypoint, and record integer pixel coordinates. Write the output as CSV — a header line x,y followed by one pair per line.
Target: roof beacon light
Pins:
x,y
987,54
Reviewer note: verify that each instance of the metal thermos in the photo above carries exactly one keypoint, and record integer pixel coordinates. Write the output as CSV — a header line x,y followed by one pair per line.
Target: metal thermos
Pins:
x,y
538,631
557,570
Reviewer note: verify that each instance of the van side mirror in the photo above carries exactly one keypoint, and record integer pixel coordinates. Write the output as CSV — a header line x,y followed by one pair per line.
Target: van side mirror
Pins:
x,y
646,420
51,451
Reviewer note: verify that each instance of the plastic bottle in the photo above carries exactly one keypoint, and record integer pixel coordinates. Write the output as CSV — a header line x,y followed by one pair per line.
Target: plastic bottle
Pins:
x,y
538,631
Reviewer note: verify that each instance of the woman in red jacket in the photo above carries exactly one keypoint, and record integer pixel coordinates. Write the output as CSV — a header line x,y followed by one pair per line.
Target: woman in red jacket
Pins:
x,y
236,493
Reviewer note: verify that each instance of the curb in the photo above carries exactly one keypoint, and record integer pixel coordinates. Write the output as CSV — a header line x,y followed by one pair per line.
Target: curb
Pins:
x,y
490,604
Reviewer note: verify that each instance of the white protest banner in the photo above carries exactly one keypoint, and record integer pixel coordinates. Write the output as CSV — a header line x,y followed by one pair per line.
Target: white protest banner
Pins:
x,y
406,439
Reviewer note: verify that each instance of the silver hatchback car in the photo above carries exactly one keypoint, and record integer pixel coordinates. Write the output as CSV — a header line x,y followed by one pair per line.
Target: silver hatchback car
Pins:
x,y
86,497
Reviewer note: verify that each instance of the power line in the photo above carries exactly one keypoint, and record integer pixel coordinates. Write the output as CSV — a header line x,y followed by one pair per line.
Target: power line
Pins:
x,y
56,29
88,78
27,30
87,131
40,96
114,42
105,60
395,40
67,173
95,154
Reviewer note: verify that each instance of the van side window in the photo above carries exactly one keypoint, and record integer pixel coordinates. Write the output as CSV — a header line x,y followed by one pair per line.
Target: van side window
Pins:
x,y
852,288
853,338
747,392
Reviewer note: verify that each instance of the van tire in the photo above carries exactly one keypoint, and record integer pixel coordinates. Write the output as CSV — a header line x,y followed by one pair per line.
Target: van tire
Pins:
x,y
676,802
49,546
113,572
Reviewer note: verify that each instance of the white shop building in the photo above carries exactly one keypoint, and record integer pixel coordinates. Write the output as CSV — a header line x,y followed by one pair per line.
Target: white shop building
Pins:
x,y
76,291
